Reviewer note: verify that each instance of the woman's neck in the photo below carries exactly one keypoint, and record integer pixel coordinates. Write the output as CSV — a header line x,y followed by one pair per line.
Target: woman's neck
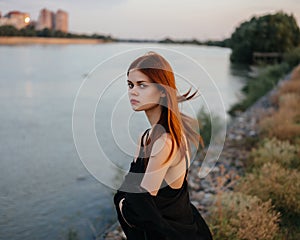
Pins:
x,y
153,115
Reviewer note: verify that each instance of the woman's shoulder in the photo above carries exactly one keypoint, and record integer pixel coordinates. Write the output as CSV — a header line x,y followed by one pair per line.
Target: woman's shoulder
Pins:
x,y
162,144
166,138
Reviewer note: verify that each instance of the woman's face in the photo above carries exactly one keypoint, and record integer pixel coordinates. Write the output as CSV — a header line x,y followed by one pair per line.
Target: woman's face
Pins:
x,y
143,94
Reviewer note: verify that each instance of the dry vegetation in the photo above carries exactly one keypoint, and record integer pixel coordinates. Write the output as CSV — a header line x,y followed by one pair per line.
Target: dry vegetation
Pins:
x,y
265,202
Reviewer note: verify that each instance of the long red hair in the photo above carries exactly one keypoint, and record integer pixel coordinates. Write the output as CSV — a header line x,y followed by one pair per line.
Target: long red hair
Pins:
x,y
159,71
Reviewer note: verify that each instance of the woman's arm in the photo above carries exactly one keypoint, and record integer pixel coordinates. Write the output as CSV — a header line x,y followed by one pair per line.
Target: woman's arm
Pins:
x,y
157,168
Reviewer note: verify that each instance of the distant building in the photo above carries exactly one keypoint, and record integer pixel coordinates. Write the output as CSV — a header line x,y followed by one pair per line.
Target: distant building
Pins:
x,y
15,18
61,21
45,20
48,19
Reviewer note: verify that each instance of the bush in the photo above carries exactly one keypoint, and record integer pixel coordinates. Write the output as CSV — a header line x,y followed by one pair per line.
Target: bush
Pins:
x,y
244,217
275,151
295,75
288,87
292,57
283,124
276,183
260,85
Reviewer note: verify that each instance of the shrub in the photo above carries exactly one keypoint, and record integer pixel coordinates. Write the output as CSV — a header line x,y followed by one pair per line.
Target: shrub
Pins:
x,y
292,57
244,217
257,220
260,85
288,87
275,151
276,183
295,75
283,124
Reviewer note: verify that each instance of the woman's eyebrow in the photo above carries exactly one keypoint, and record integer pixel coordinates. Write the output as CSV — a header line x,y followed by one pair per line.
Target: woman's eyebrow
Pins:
x,y
137,81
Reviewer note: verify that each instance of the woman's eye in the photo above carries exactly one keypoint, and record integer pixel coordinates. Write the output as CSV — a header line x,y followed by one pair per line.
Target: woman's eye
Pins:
x,y
130,85
142,85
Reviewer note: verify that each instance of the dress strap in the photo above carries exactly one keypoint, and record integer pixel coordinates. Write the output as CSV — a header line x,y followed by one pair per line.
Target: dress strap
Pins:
x,y
142,143
186,160
142,140
187,166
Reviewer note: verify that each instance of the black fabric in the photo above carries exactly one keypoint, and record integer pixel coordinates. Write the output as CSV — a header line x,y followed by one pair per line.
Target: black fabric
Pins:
x,y
167,216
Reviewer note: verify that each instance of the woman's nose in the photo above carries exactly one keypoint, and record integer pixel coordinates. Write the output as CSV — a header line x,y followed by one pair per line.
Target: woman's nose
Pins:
x,y
133,91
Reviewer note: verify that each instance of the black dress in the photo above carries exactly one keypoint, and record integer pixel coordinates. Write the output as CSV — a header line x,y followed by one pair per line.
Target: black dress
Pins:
x,y
167,216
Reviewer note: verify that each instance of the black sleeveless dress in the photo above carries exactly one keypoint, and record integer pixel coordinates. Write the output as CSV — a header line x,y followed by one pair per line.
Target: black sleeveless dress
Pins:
x,y
167,216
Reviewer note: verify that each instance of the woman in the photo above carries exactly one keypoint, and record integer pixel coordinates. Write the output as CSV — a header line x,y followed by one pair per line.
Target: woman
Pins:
x,y
153,201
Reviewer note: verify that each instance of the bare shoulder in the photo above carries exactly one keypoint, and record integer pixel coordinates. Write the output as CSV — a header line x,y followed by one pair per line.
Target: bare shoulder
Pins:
x,y
162,144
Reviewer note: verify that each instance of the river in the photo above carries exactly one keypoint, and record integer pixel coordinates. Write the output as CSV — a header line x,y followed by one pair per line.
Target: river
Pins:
x,y
45,188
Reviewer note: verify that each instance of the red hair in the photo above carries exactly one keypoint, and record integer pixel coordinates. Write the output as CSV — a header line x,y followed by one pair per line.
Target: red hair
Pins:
x,y
172,120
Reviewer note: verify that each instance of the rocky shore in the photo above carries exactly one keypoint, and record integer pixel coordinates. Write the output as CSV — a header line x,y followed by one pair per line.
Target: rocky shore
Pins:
x,y
241,131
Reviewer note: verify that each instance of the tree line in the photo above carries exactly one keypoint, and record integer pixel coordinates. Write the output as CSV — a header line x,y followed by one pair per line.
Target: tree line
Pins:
x,y
29,31
272,33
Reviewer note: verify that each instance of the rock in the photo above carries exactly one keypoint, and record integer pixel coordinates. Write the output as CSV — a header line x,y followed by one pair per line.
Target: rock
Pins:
x,y
197,195
207,200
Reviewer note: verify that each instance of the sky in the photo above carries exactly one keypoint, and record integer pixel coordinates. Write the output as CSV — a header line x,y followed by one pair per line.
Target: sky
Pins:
x,y
156,19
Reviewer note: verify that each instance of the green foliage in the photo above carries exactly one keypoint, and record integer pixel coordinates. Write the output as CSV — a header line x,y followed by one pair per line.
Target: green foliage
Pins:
x,y
260,85
29,31
46,32
292,57
277,32
8,31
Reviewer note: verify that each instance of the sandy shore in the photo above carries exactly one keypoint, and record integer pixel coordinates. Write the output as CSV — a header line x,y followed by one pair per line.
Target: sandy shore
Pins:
x,y
41,40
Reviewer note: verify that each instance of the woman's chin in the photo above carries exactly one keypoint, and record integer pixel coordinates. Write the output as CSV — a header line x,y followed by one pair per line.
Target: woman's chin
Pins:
x,y
135,108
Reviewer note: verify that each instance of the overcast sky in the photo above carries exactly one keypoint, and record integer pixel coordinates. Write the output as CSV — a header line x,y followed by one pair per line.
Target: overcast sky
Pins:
x,y
156,19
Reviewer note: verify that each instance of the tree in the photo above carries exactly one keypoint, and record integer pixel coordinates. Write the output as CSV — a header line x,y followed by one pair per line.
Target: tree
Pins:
x,y
270,33
46,32
28,31
9,31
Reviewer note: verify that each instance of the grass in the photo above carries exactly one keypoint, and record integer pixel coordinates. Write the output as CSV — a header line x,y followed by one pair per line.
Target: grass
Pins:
x,y
266,79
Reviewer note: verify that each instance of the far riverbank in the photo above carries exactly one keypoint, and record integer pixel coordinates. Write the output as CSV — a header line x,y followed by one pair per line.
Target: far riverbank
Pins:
x,y
43,40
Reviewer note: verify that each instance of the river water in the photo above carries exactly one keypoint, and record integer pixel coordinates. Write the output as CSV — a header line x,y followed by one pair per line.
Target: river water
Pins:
x,y
46,189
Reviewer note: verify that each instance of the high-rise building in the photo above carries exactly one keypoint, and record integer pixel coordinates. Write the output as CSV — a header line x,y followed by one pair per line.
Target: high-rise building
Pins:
x,y
45,20
48,19
15,18
61,21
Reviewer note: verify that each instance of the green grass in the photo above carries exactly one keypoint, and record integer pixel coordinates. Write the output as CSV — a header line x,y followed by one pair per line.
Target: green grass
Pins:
x,y
257,87
267,79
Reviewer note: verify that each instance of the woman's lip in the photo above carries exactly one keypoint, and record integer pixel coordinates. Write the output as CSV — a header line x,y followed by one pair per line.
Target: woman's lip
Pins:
x,y
133,101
